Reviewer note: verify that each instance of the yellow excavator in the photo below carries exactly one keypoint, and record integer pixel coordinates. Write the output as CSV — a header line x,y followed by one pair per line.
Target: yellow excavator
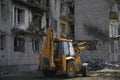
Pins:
x,y
60,56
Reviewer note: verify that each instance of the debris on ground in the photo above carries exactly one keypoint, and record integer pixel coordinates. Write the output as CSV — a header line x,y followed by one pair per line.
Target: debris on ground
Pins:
x,y
99,64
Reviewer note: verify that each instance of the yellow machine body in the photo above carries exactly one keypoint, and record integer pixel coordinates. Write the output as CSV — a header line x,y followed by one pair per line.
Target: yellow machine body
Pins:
x,y
59,55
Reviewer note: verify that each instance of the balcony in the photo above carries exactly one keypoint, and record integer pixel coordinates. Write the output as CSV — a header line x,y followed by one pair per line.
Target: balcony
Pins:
x,y
67,17
18,31
69,1
66,1
33,4
32,30
113,16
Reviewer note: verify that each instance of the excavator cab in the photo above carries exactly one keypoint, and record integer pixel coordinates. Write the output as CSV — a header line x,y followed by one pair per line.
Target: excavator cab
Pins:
x,y
63,53
63,47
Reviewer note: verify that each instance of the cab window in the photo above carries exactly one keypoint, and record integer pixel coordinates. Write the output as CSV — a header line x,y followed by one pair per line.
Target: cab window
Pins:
x,y
71,49
66,48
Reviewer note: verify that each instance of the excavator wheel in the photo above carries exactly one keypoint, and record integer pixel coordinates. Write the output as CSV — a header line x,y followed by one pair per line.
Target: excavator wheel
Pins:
x,y
71,69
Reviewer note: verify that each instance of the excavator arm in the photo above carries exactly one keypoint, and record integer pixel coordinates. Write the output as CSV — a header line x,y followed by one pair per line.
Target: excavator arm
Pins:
x,y
45,59
82,46
79,47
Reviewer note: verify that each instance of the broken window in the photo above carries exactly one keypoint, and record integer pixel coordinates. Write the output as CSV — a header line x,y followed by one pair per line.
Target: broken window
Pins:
x,y
55,4
19,16
36,22
35,45
55,28
119,29
43,3
71,8
47,3
114,29
19,44
47,22
72,31
63,10
63,28
3,12
2,42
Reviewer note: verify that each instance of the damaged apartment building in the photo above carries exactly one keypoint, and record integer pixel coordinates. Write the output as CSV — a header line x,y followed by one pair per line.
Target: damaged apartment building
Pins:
x,y
23,25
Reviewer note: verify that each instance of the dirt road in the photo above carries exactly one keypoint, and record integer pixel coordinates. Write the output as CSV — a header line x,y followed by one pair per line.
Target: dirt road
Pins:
x,y
57,78
99,75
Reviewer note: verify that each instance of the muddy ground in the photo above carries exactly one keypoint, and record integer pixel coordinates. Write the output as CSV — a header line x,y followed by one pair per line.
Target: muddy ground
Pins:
x,y
105,74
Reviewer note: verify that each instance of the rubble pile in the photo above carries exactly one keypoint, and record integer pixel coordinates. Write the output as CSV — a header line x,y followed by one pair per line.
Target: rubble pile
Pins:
x,y
98,64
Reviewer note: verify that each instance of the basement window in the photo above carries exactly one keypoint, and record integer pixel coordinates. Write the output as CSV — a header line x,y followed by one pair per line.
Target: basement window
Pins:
x,y
35,45
2,42
19,17
19,44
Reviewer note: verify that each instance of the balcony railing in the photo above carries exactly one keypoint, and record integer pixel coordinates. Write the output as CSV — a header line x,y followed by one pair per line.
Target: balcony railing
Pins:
x,y
32,3
69,0
33,31
67,15
114,15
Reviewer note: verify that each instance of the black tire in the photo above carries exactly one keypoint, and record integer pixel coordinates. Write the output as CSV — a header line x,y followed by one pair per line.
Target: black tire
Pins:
x,y
48,73
71,69
84,71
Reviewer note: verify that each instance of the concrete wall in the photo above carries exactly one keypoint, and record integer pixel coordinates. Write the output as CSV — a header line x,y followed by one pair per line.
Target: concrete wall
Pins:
x,y
91,19
54,15
5,26
92,23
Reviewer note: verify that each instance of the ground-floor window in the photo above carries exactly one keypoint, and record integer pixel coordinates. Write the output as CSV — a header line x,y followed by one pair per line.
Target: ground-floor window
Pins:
x,y
2,42
19,44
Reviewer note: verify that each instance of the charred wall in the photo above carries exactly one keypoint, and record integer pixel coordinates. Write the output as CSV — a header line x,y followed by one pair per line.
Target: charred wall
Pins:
x,y
92,23
91,19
